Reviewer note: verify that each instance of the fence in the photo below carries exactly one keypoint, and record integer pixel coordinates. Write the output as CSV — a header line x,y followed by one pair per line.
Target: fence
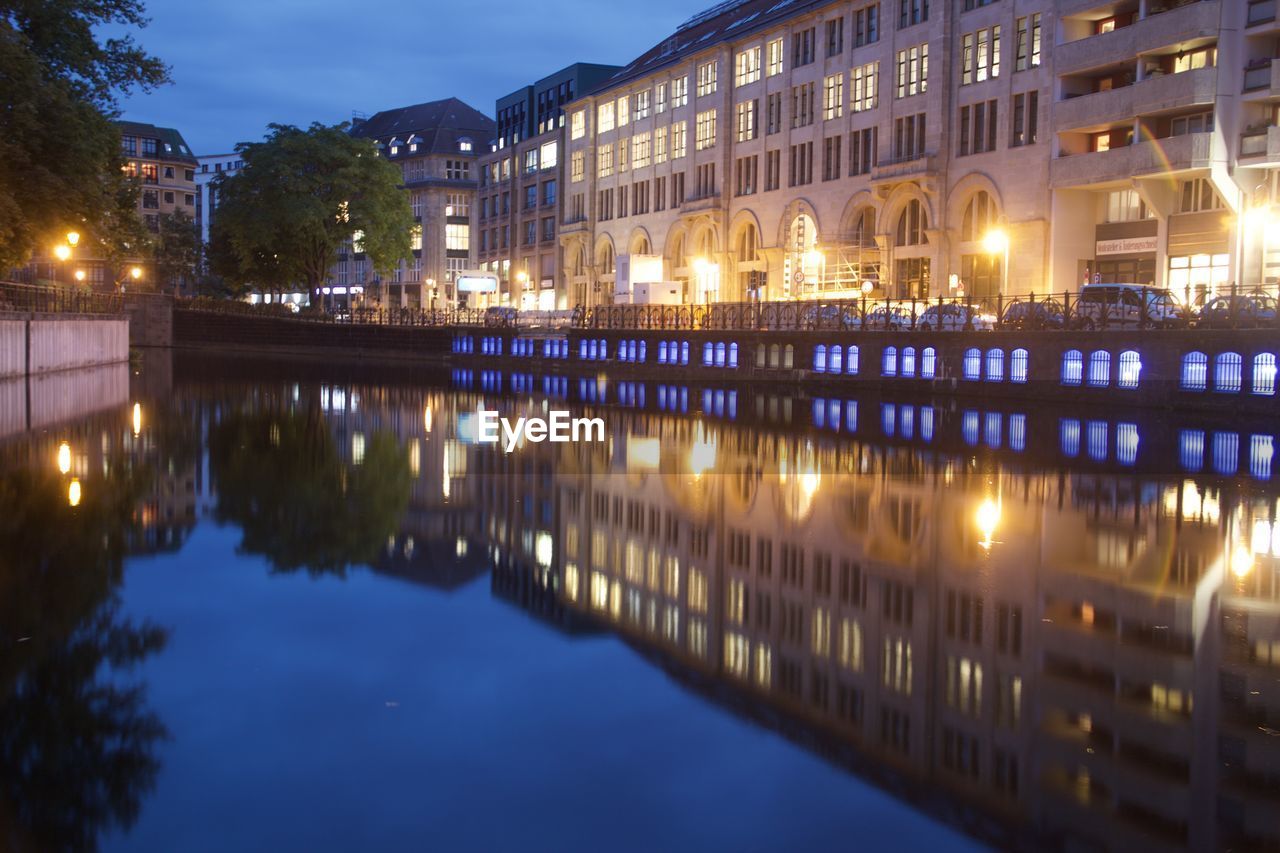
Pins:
x,y
44,299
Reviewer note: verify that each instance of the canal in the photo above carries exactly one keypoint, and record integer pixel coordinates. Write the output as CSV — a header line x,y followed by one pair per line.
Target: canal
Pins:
x,y
260,605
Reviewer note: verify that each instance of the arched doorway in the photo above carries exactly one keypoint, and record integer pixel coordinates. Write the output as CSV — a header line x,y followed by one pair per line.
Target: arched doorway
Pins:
x,y
911,272
746,259
606,264
981,267
804,262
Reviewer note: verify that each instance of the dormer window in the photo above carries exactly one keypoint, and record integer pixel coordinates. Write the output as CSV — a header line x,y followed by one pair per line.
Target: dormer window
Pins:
x,y
464,144
413,143
394,145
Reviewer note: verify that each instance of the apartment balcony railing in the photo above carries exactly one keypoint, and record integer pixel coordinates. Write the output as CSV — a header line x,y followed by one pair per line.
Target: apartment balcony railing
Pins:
x,y
1154,94
700,202
904,167
1195,20
1262,79
1262,145
574,225
1171,154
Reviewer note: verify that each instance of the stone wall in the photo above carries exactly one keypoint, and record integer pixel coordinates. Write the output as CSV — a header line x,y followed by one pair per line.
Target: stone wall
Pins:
x,y
283,334
34,344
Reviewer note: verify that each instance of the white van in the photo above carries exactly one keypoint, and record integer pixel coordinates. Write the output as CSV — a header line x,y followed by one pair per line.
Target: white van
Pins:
x,y
1126,305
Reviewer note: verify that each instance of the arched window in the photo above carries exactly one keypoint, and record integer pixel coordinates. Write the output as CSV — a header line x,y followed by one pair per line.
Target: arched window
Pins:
x,y
928,363
748,243
708,353
1099,368
733,354
788,357
604,348
1195,371
889,362
1264,373
1227,368
584,351
1018,363
775,356
605,259
979,215
973,364
762,355
662,352
995,365
851,361
912,224
864,228
908,361
1129,369
684,352
1072,367
643,347
820,358
721,354
835,361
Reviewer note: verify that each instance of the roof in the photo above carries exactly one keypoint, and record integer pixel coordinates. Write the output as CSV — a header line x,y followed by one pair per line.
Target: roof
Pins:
x,y
438,124
173,146
722,22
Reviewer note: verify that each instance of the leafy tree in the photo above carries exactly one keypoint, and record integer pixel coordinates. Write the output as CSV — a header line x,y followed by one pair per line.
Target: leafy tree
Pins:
x,y
300,195
175,249
59,84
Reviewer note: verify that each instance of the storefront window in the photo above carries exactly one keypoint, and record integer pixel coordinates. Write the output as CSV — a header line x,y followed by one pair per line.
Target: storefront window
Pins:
x,y
1195,278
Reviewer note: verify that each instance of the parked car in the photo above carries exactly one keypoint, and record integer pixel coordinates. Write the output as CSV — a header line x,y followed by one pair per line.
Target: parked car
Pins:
x,y
830,317
1042,314
888,317
1126,305
500,315
1238,312
953,317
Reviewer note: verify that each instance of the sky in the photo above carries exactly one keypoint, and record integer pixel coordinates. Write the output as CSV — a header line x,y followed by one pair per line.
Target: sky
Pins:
x,y
238,65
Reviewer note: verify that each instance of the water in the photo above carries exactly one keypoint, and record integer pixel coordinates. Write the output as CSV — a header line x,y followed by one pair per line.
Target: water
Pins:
x,y
298,608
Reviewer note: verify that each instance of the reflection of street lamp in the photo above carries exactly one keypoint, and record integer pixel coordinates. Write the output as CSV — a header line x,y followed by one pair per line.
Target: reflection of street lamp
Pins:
x,y
996,242
137,419
1241,561
73,493
64,458
988,518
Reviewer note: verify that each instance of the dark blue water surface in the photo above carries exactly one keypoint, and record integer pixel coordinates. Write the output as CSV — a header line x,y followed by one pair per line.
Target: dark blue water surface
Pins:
x,y
264,606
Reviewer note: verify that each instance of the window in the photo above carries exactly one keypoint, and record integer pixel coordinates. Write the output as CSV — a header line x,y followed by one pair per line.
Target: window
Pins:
x,y
772,169
973,364
679,92
604,118
1198,275
457,237
660,145
457,170
660,98
912,224
640,150
578,124
802,47
1072,367
978,128
913,70
747,66
833,96
995,365
1018,361
1200,122
679,140
964,686
863,82
862,150
774,49
1025,129
1264,373
773,112
604,161
1227,370
745,120
1126,206
530,196
802,104
577,166
531,161
980,56
1028,47
745,172
801,165
706,180
1130,369
908,137
1100,368
624,111
835,37
831,162
911,12
640,105
889,361
707,78
866,25
1199,195
705,130
1195,371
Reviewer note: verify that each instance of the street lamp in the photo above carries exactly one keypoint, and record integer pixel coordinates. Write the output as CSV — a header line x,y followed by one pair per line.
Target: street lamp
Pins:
x,y
73,237
996,242
62,252
79,275
522,278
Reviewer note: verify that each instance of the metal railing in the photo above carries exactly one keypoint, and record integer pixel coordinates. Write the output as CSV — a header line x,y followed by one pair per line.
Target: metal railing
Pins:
x,y
360,316
1123,308
51,299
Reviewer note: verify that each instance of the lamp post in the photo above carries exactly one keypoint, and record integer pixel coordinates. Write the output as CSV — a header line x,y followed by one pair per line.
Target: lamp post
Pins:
x,y
996,242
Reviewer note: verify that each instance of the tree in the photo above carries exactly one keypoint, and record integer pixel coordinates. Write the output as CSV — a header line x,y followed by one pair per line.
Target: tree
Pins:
x,y
300,195
59,83
175,250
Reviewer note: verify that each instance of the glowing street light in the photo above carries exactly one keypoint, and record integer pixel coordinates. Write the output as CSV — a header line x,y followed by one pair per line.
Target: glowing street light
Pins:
x,y
64,458
135,273
79,275
996,242
73,237
62,251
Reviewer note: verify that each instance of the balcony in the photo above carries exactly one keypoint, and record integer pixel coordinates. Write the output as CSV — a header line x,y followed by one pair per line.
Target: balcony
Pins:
x,y
904,168
1261,13
1157,156
1186,23
712,201
575,225
1260,148
1153,95
1262,82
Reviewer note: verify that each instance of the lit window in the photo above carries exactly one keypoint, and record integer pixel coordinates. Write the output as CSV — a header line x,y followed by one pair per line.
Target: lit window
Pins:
x,y
973,364
1072,367
1018,363
548,155
995,365
747,66
705,130
707,78
1100,368
1195,371
578,124
1130,369
775,57
1264,373
604,118
1227,370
